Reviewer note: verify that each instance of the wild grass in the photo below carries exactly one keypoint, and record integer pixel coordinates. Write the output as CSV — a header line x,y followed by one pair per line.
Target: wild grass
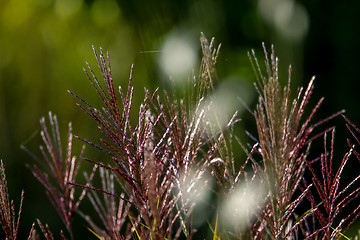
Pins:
x,y
178,155
8,220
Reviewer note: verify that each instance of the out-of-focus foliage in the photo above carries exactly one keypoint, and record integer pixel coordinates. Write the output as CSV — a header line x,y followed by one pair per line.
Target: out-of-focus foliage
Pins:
x,y
45,43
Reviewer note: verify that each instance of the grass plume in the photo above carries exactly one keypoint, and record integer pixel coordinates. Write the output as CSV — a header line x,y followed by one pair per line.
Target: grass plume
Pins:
x,y
8,220
178,156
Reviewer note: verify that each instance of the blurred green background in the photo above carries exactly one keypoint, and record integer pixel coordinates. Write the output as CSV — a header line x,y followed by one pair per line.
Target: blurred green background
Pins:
x,y
44,45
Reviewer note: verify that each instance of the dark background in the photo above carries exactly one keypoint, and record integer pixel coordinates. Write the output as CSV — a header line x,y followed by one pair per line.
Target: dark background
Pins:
x,y
44,45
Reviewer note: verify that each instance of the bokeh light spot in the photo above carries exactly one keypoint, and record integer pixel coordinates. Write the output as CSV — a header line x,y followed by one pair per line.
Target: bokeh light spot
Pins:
x,y
67,8
239,209
178,56
288,17
225,101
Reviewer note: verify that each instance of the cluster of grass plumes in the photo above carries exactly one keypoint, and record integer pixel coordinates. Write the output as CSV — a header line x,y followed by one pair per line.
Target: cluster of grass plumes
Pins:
x,y
162,165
